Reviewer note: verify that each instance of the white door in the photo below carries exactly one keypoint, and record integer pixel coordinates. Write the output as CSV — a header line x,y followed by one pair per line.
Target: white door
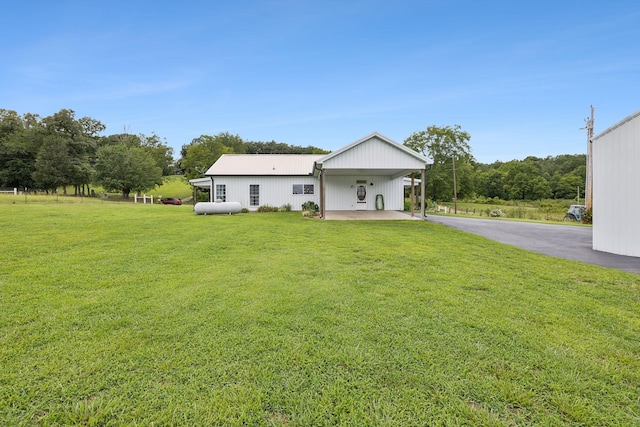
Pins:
x,y
361,195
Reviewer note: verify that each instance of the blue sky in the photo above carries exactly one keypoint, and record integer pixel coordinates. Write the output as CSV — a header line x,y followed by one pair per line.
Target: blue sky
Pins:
x,y
519,76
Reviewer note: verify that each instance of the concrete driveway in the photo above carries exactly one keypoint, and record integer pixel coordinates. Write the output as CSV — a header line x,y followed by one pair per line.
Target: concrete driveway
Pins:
x,y
369,215
561,241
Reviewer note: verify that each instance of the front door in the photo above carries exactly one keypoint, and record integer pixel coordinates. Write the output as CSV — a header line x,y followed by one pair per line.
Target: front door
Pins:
x,y
361,195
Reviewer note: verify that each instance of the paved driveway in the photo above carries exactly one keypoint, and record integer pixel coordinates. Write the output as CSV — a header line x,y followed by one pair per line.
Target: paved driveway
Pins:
x,y
562,241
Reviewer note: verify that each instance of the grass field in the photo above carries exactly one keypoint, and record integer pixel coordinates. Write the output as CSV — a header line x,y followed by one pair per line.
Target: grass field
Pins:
x,y
173,186
122,314
546,210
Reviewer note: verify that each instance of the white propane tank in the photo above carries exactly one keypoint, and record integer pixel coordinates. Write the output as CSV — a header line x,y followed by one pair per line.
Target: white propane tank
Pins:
x,y
217,207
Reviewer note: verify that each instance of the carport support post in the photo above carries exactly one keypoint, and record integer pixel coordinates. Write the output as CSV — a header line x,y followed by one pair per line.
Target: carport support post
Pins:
x,y
322,193
423,174
413,194
211,190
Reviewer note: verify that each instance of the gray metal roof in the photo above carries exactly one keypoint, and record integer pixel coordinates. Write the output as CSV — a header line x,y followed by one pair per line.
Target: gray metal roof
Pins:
x,y
617,125
264,164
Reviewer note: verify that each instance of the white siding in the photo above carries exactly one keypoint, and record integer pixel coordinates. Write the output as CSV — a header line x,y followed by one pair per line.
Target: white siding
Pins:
x,y
341,192
274,191
616,190
374,154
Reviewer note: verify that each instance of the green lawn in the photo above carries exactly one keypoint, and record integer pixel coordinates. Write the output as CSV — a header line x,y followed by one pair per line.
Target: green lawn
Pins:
x,y
122,314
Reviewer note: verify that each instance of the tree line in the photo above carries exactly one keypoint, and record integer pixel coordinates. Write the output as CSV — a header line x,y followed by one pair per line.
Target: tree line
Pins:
x,y
61,150
557,177
534,178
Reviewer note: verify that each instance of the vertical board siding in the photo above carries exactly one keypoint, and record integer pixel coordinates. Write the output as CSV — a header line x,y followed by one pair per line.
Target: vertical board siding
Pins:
x,y
373,154
341,192
274,190
616,190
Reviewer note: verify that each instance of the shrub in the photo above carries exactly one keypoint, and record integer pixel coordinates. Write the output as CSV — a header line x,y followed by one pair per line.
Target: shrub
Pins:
x,y
587,216
310,206
267,208
244,210
285,208
310,209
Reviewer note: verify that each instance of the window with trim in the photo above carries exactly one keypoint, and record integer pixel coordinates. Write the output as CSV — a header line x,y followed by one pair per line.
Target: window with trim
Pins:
x,y
221,192
303,189
254,195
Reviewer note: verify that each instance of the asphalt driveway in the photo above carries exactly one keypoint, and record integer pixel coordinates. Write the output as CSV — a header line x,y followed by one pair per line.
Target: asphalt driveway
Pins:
x,y
561,241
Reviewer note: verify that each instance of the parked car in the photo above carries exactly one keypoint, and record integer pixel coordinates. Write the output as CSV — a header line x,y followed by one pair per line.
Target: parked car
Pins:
x,y
574,213
171,201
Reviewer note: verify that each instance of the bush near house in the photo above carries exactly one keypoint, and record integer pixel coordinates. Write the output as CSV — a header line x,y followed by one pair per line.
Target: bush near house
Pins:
x,y
310,209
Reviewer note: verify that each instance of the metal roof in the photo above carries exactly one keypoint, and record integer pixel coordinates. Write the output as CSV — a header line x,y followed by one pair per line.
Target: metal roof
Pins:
x,y
617,125
264,164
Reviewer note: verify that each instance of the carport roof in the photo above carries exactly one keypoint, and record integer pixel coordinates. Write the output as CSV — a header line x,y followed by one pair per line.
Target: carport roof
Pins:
x,y
374,154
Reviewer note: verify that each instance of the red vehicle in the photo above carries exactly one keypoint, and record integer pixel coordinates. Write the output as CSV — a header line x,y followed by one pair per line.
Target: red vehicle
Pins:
x,y
171,201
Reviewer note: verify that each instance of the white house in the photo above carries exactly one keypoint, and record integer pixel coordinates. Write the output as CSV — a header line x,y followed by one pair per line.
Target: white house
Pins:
x,y
616,193
368,174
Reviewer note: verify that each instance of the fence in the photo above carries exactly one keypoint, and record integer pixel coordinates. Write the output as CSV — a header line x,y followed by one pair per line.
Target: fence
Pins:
x,y
8,191
144,198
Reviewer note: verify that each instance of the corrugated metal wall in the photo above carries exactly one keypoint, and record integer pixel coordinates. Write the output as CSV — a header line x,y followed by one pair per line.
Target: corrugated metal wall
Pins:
x,y
341,192
274,191
616,189
373,154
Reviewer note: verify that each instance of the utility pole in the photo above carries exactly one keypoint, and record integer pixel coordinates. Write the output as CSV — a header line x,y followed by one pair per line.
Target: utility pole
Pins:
x,y
588,194
455,191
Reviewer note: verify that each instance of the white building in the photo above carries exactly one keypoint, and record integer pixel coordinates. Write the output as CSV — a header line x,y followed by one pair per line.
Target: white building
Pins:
x,y
365,175
616,189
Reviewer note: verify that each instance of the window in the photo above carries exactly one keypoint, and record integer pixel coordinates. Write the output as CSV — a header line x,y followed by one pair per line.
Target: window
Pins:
x,y
254,195
302,189
221,192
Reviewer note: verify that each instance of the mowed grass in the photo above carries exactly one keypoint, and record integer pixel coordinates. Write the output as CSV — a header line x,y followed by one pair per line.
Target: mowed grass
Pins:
x,y
121,314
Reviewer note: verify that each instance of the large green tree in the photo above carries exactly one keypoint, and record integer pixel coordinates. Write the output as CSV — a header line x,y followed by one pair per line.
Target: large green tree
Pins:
x,y
157,149
76,141
54,166
448,147
80,139
203,151
126,169
17,153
